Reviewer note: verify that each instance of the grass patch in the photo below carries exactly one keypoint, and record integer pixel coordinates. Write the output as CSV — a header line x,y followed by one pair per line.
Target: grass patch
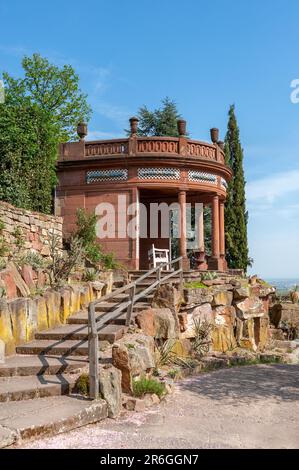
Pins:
x,y
144,385
82,384
195,285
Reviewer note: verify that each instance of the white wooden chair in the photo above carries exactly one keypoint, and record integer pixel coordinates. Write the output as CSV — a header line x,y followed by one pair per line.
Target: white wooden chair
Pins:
x,y
158,256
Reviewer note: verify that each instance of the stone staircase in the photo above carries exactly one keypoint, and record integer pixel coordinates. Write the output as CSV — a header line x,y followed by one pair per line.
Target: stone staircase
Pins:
x,y
49,366
45,370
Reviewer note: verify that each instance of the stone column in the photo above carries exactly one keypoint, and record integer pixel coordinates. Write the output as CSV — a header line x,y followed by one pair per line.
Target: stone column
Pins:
x,y
183,229
215,228
222,232
201,234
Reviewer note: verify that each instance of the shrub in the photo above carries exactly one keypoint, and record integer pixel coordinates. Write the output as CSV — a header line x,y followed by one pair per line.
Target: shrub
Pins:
x,y
144,385
90,275
32,259
82,384
202,340
4,250
61,265
86,233
209,276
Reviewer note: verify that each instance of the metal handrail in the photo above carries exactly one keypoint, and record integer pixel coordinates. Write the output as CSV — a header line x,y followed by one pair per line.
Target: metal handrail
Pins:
x,y
94,324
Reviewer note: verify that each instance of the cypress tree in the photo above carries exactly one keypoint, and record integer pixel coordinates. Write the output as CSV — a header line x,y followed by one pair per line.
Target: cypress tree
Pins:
x,y
236,216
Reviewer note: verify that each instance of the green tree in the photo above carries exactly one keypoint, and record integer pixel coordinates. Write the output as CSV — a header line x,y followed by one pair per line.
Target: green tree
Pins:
x,y
236,216
41,110
160,122
54,89
28,151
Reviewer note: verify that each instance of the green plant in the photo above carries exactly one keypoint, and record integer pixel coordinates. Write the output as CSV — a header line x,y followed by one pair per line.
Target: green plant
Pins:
x,y
61,265
90,275
4,250
2,292
108,261
145,385
130,346
163,352
195,285
32,259
19,238
202,340
209,276
82,384
173,373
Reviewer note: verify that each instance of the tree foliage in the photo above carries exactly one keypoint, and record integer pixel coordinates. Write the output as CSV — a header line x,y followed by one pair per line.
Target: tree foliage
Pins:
x,y
41,110
54,89
28,152
236,216
160,122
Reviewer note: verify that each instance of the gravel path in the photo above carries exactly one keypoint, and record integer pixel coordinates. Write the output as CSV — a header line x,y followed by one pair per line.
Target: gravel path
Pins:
x,y
241,407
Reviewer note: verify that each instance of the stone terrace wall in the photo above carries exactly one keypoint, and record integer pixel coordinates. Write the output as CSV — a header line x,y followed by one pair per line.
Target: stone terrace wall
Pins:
x,y
35,227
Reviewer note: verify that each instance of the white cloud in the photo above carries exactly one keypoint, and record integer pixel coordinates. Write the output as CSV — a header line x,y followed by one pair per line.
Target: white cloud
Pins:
x,y
274,187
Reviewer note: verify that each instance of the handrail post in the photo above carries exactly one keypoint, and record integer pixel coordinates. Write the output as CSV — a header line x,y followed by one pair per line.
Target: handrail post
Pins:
x,y
93,349
131,305
158,273
181,274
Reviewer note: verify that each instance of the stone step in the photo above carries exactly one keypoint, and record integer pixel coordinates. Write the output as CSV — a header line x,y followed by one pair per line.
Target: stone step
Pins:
x,y
109,333
41,365
26,388
58,348
82,317
42,417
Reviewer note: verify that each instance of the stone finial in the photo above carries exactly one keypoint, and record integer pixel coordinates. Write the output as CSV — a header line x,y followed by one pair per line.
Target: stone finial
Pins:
x,y
182,127
134,125
214,135
82,130
221,144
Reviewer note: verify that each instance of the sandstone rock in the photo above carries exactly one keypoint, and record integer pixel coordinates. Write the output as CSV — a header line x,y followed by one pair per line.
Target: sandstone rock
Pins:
x,y
213,282
145,321
110,388
133,358
276,333
157,322
135,404
222,298
167,296
6,333
22,289
285,315
182,347
2,351
295,297
18,316
183,321
249,308
204,313
27,274
195,297
223,338
241,293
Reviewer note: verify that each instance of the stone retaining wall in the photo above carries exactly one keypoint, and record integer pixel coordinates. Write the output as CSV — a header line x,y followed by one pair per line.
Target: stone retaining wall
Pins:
x,y
21,318
30,229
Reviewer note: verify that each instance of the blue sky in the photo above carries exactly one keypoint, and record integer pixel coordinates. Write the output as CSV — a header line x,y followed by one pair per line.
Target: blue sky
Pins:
x,y
204,55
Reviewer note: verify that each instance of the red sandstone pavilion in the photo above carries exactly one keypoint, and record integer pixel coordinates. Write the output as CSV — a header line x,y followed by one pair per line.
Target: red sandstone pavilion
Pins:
x,y
146,170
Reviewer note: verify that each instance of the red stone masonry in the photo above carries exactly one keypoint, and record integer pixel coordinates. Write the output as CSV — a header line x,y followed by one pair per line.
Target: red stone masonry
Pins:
x,y
144,169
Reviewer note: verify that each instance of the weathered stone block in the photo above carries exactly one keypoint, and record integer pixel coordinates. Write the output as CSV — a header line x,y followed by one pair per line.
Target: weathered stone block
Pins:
x,y
133,358
110,388
249,308
222,297
157,322
195,297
